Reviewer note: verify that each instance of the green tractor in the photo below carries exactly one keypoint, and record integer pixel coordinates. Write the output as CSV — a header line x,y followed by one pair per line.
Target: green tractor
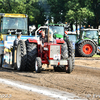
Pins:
x,y
88,43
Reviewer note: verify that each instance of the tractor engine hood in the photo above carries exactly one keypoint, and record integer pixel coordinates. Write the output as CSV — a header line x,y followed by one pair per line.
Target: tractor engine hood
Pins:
x,y
59,36
60,41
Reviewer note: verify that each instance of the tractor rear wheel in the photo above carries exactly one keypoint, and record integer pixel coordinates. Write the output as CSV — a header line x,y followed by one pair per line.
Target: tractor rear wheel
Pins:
x,y
71,52
64,51
31,56
69,68
21,56
38,65
86,49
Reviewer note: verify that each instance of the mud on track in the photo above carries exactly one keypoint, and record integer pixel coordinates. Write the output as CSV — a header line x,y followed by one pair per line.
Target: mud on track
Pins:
x,y
84,82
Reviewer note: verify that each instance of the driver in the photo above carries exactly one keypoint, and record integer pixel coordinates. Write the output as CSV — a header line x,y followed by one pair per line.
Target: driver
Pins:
x,y
44,37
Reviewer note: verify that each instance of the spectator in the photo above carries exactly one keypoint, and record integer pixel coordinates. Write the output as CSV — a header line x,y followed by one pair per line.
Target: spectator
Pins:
x,y
83,27
89,26
17,39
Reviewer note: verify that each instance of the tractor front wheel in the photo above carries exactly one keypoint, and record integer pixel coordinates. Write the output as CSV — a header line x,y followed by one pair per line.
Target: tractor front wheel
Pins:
x,y
38,65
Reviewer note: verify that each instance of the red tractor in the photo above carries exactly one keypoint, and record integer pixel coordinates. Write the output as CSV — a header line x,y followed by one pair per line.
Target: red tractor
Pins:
x,y
55,53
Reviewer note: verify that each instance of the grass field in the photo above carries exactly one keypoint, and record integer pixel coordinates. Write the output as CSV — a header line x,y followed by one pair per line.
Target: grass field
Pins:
x,y
96,55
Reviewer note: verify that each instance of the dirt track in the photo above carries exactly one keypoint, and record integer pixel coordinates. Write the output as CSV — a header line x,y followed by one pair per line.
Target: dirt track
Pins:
x,y
84,82
13,93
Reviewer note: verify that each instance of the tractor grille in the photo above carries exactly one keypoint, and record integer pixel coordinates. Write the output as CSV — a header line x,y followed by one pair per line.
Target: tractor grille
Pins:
x,y
54,50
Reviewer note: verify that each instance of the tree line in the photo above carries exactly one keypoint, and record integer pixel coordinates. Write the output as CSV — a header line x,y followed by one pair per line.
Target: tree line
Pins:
x,y
82,12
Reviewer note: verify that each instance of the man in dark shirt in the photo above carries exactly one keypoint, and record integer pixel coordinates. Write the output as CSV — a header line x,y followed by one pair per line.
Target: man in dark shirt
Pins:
x,y
43,37
17,39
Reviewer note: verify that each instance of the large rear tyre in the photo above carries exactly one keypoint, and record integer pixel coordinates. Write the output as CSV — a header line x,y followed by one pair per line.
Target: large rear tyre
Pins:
x,y
76,50
31,56
64,51
64,55
1,60
38,65
86,49
69,67
21,56
71,52
73,60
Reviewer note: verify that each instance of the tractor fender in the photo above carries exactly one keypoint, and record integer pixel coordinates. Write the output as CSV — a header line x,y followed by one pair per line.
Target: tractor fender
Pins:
x,y
88,40
32,40
60,41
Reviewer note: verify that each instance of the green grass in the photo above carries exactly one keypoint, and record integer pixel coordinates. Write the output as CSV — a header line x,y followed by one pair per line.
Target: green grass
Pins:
x,y
96,55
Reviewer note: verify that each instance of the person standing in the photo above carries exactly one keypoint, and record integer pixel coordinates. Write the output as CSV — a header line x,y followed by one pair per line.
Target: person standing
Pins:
x,y
17,39
89,26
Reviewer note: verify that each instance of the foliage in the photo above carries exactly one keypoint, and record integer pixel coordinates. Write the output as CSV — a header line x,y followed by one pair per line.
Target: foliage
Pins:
x,y
96,55
78,13
23,6
39,11
57,10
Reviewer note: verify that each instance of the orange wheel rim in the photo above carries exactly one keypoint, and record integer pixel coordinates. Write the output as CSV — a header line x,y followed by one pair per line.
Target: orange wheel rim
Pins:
x,y
87,49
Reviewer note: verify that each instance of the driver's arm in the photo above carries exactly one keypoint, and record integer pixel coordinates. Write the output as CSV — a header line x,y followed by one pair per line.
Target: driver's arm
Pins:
x,y
50,38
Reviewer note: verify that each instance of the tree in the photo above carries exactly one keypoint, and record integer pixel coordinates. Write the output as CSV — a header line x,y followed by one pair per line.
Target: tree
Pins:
x,y
23,7
77,14
94,5
57,10
61,10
